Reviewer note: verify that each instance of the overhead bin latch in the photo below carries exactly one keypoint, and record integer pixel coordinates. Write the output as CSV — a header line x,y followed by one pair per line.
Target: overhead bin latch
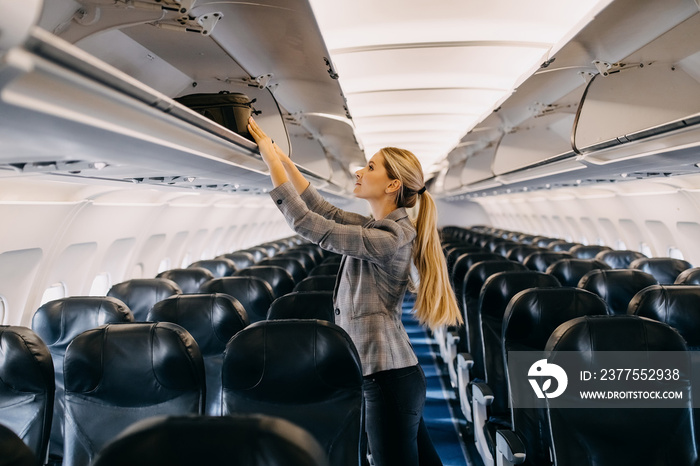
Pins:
x,y
261,82
181,6
606,69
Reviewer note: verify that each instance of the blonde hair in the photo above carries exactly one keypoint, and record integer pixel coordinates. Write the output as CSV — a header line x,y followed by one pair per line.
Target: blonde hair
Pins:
x,y
435,300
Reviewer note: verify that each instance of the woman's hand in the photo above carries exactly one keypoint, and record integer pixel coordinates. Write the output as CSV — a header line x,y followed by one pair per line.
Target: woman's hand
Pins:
x,y
265,144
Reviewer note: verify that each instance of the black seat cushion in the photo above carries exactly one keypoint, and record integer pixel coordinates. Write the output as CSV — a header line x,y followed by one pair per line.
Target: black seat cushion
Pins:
x,y
570,271
190,279
616,287
254,293
140,294
665,269
303,305
221,267
281,281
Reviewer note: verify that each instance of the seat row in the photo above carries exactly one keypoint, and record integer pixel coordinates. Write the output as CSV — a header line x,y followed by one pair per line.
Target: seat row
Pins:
x,y
513,307
193,354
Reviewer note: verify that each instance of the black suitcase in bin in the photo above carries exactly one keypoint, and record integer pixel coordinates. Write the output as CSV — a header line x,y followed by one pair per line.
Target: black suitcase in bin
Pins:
x,y
229,109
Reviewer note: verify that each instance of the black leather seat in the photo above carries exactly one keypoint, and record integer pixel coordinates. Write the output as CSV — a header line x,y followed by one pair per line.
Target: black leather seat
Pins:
x,y
57,323
665,269
218,267
588,251
529,320
118,374
689,277
280,281
562,245
570,271
316,283
314,250
325,269
13,451
241,259
462,265
211,319
294,266
618,435
258,252
254,293
250,440
540,261
619,259
303,305
521,252
675,305
495,295
616,287
305,371
26,387
141,294
305,257
189,280
454,251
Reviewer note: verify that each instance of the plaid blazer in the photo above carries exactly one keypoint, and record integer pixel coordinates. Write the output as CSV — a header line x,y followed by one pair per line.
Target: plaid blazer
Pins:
x,y
373,273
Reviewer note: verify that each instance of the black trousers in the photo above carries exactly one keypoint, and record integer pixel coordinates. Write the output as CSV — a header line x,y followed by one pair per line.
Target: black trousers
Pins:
x,y
396,432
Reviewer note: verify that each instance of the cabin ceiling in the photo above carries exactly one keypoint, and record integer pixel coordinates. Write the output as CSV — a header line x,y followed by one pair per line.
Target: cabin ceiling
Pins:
x,y
496,97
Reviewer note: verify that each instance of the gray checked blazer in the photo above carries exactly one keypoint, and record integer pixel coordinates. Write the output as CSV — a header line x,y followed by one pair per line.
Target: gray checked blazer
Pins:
x,y
373,273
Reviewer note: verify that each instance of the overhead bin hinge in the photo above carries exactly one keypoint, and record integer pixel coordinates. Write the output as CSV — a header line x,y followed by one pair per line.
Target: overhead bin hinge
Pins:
x,y
606,69
183,6
203,24
261,82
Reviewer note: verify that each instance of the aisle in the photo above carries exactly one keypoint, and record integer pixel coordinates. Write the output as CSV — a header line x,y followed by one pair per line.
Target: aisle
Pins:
x,y
442,415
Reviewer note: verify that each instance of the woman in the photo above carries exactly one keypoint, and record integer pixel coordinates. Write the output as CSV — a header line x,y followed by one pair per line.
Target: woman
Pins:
x,y
373,278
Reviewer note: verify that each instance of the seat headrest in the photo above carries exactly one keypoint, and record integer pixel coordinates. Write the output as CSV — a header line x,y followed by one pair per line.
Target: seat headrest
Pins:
x,y
539,261
253,440
466,260
26,361
218,267
58,322
294,266
319,354
254,293
617,259
211,319
500,287
303,305
241,259
570,271
142,363
665,269
616,287
480,271
190,279
140,294
590,334
279,279
588,251
519,253
14,451
316,283
675,305
533,314
689,277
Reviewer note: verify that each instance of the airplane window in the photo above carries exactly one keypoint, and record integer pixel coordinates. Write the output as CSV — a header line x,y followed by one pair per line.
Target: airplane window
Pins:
x,y
164,265
138,271
55,291
675,253
619,244
187,260
645,249
101,285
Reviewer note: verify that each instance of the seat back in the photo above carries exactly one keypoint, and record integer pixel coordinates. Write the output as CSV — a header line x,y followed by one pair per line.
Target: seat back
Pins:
x,y
118,374
539,261
303,305
588,251
189,280
530,318
561,245
317,283
616,287
251,440
619,259
675,305
280,281
471,288
211,319
218,267
293,266
140,294
665,269
254,293
317,364
454,251
689,277
519,253
570,271
241,259
57,323
26,387
305,257
462,265
495,295
259,253
325,269
618,435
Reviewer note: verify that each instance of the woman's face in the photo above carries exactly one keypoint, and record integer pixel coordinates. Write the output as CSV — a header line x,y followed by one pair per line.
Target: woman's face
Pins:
x,y
372,180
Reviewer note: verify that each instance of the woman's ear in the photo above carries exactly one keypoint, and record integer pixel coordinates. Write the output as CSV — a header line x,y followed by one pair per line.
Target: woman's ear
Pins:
x,y
393,186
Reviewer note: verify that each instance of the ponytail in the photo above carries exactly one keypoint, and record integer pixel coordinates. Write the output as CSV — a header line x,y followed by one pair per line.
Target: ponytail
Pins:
x,y
435,300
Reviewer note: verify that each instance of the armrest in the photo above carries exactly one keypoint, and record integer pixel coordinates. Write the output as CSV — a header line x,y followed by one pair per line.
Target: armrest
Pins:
x,y
465,361
510,446
452,337
482,393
